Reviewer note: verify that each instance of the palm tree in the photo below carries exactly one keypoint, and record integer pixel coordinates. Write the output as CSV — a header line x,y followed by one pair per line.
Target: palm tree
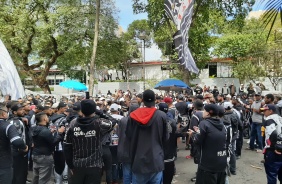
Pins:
x,y
273,9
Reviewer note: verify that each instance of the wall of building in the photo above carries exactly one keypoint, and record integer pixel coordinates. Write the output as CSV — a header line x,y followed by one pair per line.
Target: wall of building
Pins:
x,y
151,72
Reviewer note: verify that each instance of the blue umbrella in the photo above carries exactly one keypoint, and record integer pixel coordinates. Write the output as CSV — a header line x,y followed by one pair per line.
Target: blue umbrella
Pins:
x,y
72,84
171,85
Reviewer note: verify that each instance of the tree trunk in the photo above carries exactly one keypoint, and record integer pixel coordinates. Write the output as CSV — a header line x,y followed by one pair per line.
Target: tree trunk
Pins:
x,y
95,43
43,84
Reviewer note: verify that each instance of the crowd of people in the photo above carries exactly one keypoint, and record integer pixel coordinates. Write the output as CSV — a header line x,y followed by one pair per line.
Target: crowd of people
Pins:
x,y
134,137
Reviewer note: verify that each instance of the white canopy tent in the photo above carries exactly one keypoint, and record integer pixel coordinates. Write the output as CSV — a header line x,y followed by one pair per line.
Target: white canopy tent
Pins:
x,y
10,83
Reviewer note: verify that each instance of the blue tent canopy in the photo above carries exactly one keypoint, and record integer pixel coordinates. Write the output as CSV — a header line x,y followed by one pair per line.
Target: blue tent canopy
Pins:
x,y
171,85
72,84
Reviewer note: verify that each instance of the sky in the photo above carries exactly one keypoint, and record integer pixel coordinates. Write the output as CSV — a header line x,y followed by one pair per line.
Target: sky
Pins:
x,y
126,16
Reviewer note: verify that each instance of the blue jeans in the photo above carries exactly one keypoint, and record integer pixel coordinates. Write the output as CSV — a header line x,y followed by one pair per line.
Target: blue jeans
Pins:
x,y
149,178
273,167
256,132
127,173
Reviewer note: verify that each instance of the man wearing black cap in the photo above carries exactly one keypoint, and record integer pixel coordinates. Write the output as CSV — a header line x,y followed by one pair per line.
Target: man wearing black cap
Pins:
x,y
20,158
82,145
146,129
8,135
58,120
213,158
273,144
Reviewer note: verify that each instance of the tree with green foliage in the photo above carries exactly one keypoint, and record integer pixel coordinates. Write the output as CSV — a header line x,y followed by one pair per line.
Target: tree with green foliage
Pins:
x,y
209,19
252,57
39,34
272,14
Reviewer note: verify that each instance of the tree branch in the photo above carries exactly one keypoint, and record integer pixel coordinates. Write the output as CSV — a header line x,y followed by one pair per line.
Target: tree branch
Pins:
x,y
36,65
199,2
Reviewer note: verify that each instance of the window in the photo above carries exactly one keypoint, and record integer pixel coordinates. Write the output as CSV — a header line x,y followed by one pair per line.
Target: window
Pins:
x,y
213,70
51,82
58,81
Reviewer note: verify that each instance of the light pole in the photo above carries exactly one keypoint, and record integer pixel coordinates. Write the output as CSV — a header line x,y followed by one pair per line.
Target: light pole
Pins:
x,y
142,36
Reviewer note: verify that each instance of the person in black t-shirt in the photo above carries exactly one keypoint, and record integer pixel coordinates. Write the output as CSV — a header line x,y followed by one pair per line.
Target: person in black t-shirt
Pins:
x,y
198,90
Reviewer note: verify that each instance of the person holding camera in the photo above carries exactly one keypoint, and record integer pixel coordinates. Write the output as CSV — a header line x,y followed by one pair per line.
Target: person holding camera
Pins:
x,y
273,144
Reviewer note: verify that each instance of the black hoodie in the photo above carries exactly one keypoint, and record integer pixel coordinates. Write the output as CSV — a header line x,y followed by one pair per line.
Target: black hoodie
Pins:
x,y
82,145
212,140
146,131
44,142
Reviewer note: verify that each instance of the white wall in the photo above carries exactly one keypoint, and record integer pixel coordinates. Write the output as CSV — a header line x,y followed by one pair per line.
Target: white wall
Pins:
x,y
219,82
151,72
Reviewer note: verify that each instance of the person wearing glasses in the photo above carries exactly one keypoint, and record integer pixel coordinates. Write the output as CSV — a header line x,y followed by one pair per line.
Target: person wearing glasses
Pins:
x,y
8,136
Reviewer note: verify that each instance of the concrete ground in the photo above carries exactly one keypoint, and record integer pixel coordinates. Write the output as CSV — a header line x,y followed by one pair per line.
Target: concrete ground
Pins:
x,y
246,173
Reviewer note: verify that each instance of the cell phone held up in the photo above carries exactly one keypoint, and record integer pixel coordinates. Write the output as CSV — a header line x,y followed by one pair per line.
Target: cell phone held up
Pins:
x,y
87,95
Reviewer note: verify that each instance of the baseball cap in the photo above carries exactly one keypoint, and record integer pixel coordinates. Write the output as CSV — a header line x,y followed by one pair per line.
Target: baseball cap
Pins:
x,y
149,98
228,96
227,105
167,100
258,94
88,107
76,106
163,107
200,97
102,98
158,98
269,107
212,109
16,107
220,111
180,97
55,105
40,107
114,107
62,104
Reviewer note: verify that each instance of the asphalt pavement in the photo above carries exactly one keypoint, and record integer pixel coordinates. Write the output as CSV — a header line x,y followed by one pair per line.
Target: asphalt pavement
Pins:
x,y
249,168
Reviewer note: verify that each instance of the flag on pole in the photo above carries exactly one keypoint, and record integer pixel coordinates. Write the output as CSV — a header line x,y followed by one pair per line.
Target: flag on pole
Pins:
x,y
10,83
180,12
